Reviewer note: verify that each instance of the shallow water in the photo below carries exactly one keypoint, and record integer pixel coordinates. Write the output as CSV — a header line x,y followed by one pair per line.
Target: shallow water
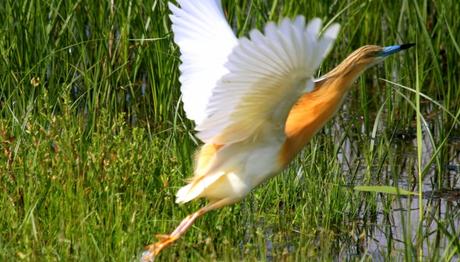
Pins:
x,y
396,224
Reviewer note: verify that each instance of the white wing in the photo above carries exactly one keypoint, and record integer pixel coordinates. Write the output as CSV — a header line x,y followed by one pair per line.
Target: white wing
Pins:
x,y
268,73
205,40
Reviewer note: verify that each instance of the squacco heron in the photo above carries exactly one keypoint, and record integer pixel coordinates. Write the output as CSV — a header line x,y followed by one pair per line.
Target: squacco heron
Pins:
x,y
254,100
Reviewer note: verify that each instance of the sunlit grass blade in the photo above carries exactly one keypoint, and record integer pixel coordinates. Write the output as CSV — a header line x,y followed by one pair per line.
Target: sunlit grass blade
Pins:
x,y
392,190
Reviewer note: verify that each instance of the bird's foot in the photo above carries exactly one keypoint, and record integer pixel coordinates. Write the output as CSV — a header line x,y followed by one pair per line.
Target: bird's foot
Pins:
x,y
165,240
154,249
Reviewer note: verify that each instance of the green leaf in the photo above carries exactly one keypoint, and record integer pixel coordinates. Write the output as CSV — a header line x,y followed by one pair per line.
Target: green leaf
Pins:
x,y
385,189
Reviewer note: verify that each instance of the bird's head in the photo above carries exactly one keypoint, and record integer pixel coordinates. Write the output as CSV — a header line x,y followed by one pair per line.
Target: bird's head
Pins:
x,y
363,58
370,55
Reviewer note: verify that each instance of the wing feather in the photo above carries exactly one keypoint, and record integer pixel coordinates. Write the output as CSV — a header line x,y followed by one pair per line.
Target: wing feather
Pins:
x,y
205,41
267,73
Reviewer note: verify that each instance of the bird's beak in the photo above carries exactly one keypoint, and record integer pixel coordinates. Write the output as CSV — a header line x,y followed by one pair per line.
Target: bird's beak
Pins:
x,y
388,50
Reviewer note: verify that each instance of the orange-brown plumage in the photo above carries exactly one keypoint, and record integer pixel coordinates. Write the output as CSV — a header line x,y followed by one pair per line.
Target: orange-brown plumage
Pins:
x,y
313,110
308,115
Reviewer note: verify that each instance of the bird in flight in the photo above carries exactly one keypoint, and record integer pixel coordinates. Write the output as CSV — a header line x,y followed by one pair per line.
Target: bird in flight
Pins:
x,y
254,100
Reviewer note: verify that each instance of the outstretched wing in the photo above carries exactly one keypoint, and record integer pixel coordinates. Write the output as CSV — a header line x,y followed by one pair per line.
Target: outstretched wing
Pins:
x,y
205,41
267,74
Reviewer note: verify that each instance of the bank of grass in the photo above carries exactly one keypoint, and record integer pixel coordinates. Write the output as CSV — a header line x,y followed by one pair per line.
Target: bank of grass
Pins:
x,y
94,143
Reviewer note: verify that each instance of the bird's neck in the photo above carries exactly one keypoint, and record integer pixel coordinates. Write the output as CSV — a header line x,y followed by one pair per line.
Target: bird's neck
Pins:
x,y
312,111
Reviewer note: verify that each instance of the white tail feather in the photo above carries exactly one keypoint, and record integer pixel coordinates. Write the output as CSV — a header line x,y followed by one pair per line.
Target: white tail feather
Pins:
x,y
195,188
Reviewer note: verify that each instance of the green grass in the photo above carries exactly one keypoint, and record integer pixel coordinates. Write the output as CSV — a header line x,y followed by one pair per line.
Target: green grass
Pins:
x,y
92,155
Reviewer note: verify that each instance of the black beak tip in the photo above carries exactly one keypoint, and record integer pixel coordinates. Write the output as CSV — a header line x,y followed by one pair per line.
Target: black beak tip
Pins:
x,y
407,46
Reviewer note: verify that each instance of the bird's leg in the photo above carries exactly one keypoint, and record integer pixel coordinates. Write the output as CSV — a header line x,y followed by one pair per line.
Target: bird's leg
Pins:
x,y
166,240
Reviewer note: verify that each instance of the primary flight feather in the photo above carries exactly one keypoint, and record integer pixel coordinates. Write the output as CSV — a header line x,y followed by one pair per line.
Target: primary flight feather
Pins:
x,y
205,40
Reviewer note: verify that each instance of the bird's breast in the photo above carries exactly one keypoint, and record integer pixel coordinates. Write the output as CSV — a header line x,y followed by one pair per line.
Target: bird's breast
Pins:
x,y
308,115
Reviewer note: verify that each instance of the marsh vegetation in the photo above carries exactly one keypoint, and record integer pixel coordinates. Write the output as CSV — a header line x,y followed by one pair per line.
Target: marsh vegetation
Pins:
x,y
94,141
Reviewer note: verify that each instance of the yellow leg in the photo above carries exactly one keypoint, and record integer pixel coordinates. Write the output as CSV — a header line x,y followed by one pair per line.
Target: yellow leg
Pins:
x,y
166,240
